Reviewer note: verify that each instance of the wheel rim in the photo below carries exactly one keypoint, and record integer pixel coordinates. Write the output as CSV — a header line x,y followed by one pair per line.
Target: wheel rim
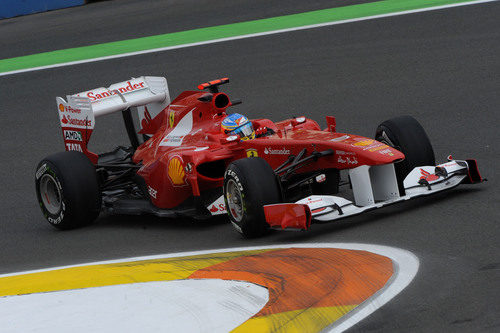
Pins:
x,y
234,200
50,194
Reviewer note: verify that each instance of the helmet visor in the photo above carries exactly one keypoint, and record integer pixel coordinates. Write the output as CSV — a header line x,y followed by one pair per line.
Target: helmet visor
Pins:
x,y
244,130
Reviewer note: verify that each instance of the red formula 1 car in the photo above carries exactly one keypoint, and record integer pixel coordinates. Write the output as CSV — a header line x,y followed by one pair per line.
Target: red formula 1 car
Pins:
x,y
274,175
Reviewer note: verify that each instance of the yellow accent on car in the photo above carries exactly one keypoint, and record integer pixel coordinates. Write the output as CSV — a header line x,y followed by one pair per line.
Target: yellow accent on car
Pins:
x,y
252,153
176,171
171,119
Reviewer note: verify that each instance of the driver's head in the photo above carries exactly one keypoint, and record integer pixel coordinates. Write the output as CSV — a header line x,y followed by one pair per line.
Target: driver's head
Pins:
x,y
237,124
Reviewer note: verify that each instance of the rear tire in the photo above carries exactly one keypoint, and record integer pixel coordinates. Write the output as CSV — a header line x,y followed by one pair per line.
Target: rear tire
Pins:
x,y
249,184
406,135
67,190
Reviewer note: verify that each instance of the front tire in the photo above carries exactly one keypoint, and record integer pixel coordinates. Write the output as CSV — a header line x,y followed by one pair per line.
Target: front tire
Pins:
x,y
405,134
67,190
249,184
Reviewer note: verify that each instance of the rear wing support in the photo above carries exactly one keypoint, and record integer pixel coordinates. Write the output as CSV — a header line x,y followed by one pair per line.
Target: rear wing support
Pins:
x,y
129,126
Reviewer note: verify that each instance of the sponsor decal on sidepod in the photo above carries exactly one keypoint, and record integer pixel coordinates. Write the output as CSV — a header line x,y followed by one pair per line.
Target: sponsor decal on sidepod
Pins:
x,y
341,138
252,152
271,151
176,171
348,160
386,152
341,152
363,142
171,119
217,207
183,128
152,192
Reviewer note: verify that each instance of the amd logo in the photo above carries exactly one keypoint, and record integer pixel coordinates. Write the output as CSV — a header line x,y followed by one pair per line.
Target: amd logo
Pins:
x,y
72,135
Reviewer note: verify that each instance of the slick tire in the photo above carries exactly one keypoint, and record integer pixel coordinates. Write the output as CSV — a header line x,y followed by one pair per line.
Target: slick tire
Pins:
x,y
406,135
249,184
67,190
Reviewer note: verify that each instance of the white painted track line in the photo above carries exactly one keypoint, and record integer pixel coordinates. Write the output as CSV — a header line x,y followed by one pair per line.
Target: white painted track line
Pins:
x,y
213,41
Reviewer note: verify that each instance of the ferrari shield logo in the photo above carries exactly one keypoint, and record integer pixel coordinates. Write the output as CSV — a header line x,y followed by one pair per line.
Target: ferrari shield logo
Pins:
x,y
171,119
252,153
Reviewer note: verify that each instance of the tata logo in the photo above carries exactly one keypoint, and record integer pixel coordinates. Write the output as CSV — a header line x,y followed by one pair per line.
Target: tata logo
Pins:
x,y
72,135
74,147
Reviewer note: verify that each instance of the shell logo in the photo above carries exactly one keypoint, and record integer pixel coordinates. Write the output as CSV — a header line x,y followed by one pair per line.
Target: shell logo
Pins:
x,y
61,108
364,143
176,171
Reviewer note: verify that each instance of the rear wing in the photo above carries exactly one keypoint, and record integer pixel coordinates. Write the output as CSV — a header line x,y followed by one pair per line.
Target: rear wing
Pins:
x,y
149,95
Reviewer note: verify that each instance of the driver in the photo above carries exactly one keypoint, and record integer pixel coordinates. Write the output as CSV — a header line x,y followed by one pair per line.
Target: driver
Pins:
x,y
237,124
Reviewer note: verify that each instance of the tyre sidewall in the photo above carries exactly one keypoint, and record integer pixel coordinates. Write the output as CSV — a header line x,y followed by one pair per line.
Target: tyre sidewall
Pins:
x,y
254,197
250,213
80,196
47,168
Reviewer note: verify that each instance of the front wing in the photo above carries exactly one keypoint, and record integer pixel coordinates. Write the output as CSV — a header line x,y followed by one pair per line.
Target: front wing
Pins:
x,y
372,189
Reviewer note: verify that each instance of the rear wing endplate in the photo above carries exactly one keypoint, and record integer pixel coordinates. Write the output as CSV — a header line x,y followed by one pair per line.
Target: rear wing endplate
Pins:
x,y
148,94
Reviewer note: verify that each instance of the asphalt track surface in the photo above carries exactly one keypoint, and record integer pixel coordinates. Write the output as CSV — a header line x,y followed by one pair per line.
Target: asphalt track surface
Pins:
x,y
127,19
441,67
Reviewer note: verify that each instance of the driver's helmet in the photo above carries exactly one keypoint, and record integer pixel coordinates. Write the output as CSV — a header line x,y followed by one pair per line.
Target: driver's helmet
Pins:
x,y
237,124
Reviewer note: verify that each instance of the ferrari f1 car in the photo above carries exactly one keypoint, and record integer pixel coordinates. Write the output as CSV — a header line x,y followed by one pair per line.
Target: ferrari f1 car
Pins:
x,y
183,161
